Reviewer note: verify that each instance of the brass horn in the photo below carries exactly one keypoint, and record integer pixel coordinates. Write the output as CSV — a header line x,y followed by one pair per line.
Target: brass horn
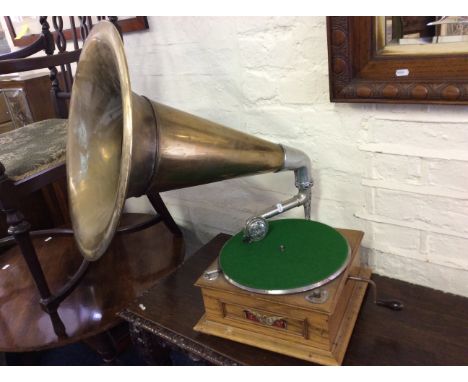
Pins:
x,y
121,145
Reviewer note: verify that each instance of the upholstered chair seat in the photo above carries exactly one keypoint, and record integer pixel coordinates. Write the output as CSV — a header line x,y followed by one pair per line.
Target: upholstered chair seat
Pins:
x,y
33,148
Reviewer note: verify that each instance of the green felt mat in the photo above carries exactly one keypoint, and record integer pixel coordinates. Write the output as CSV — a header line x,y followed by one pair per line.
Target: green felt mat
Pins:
x,y
313,253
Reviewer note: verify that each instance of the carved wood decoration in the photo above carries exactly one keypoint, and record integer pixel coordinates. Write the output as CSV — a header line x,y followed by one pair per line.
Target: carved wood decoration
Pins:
x,y
358,73
54,44
85,24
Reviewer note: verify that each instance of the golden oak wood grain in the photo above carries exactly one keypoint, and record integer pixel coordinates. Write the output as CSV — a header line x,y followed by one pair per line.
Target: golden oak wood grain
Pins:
x,y
313,332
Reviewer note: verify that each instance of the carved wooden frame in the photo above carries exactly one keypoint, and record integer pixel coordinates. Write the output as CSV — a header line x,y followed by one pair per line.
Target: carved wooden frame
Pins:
x,y
358,73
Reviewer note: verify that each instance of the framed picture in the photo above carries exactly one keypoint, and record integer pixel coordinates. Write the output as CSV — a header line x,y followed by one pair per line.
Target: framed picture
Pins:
x,y
24,30
369,64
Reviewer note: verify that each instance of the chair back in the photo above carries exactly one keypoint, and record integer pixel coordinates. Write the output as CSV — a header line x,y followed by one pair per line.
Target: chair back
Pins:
x,y
58,59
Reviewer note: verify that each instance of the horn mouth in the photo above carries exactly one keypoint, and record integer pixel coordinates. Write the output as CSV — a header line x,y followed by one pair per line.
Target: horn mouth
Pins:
x,y
99,143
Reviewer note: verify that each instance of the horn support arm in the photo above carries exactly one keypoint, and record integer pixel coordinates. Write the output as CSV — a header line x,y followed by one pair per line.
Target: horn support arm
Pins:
x,y
295,160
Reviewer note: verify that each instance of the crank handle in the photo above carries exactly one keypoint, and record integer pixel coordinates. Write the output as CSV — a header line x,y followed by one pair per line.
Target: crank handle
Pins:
x,y
390,304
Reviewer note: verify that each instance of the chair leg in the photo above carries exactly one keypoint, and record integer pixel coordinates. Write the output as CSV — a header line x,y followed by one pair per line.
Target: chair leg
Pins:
x,y
158,204
19,229
57,324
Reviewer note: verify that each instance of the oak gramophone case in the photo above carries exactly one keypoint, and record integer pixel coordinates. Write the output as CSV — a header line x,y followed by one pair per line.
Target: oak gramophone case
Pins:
x,y
313,313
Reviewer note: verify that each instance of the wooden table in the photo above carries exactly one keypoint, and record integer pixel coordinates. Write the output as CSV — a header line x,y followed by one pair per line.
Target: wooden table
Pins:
x,y
431,330
133,263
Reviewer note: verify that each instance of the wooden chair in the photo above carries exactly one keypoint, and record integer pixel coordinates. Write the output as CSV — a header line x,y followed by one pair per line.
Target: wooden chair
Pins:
x,y
86,296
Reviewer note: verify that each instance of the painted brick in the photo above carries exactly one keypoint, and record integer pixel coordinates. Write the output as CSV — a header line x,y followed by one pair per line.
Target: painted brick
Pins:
x,y
339,186
258,86
452,175
222,92
140,205
227,195
269,50
394,168
447,250
337,155
281,183
254,25
440,212
336,214
420,134
302,87
183,30
396,240
397,205
281,123
431,275
187,59
369,199
331,126
447,213
268,76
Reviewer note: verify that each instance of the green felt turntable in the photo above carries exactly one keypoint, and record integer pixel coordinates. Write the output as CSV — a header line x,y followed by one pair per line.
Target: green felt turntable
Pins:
x,y
290,292
297,255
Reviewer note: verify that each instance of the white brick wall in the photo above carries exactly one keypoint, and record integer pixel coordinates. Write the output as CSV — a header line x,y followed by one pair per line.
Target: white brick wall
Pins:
x,y
398,172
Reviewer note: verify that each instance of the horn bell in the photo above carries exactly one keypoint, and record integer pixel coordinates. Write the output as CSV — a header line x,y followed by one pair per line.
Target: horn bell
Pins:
x,y
121,145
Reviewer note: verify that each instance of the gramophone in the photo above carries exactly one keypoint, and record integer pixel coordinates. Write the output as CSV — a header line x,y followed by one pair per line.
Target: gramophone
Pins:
x,y
289,285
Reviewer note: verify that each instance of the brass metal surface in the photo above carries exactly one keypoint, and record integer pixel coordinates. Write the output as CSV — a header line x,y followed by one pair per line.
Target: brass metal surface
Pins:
x,y
99,144
194,151
121,144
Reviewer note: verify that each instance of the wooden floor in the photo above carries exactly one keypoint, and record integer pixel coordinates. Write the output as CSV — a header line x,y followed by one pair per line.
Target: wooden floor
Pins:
x,y
431,330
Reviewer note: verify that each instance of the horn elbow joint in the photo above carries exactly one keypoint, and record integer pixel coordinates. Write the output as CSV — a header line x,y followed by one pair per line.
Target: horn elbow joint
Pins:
x,y
297,161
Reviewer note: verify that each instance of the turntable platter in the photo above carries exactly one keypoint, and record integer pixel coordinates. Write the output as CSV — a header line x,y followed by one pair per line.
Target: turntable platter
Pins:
x,y
296,255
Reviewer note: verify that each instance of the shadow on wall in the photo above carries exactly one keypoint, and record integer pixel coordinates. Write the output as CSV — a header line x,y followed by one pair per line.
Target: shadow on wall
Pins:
x,y
204,211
